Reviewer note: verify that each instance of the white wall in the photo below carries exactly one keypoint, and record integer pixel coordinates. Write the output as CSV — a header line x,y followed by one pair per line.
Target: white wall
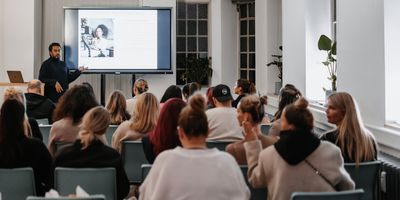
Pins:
x,y
392,61
360,54
224,45
294,43
17,37
268,39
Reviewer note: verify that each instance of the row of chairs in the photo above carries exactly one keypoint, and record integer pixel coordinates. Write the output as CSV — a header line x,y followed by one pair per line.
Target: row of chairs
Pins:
x,y
21,183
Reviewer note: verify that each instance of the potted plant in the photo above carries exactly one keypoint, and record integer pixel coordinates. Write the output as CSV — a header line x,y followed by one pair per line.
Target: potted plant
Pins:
x,y
329,46
197,70
278,63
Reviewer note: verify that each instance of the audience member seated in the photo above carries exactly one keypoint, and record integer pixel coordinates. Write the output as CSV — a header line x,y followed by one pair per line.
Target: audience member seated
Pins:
x,y
73,104
189,89
172,91
222,120
299,161
18,150
194,172
287,95
356,142
31,125
144,119
140,86
37,105
210,101
116,106
251,110
165,134
242,88
90,150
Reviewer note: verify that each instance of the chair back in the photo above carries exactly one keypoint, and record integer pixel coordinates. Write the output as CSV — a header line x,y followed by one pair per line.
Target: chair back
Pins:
x,y
220,145
43,121
265,128
92,197
366,177
92,180
132,158
343,195
145,170
45,130
109,133
17,183
256,194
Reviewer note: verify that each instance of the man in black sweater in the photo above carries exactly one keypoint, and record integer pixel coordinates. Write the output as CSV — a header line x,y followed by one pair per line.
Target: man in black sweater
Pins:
x,y
55,74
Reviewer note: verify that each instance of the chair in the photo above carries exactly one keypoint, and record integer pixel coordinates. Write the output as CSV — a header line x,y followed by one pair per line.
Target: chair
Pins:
x,y
220,145
45,130
92,197
17,183
145,170
365,176
43,121
92,180
132,158
256,194
343,195
265,128
109,133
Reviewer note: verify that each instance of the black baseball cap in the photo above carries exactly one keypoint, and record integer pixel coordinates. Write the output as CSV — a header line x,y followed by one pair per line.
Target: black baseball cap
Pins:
x,y
222,93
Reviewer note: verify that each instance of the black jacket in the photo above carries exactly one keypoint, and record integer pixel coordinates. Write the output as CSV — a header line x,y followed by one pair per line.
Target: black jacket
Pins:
x,y
52,71
36,133
39,107
33,153
97,155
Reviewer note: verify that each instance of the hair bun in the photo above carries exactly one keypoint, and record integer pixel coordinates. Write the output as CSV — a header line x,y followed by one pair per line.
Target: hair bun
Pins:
x,y
264,100
197,103
301,103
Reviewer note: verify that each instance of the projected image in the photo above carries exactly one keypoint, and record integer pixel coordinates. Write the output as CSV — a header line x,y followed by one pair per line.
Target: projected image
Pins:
x,y
96,37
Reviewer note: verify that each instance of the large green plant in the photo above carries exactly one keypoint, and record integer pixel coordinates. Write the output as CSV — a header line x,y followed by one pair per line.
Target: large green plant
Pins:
x,y
197,69
277,62
329,46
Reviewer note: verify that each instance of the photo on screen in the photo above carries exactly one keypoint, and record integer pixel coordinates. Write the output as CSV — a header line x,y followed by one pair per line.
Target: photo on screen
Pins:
x,y
96,37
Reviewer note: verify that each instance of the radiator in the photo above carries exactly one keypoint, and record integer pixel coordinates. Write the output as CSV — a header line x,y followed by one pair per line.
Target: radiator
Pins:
x,y
390,181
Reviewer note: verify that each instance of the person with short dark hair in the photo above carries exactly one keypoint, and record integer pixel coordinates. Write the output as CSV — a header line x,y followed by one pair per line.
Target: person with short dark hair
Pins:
x,y
55,74
194,171
37,105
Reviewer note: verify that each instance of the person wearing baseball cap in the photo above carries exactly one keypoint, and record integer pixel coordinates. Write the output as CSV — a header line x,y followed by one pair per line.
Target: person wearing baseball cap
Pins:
x,y
222,120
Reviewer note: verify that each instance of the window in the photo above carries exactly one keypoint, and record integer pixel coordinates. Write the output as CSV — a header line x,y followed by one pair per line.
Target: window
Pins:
x,y
247,42
191,35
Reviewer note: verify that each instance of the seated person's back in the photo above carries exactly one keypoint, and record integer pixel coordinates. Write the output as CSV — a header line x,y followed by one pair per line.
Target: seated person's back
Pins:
x,y
90,151
222,119
17,150
37,105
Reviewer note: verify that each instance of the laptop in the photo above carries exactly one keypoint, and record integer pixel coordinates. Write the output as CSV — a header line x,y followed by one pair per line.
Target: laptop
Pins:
x,y
15,77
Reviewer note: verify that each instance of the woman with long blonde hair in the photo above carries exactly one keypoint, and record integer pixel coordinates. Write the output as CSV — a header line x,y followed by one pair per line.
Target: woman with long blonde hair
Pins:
x,y
116,106
90,151
144,118
356,142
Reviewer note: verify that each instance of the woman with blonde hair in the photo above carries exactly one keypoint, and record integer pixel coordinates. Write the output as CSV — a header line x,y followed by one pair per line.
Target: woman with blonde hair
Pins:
x,y
298,161
139,87
193,171
356,142
116,106
250,109
144,118
90,151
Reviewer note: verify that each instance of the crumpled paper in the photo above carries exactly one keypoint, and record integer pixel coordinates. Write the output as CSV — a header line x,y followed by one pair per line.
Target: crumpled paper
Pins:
x,y
79,192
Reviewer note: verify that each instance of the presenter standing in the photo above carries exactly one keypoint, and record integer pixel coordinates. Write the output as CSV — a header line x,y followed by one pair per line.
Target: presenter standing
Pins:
x,y
55,74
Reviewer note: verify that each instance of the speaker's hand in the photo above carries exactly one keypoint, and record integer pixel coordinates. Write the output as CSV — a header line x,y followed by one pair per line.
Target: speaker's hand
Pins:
x,y
59,89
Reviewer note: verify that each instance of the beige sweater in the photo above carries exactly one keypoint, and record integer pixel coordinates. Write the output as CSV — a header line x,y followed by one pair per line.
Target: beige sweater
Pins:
x,y
62,131
268,169
124,132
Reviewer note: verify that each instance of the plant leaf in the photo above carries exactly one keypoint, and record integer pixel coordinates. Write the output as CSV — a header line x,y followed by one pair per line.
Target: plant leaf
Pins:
x,y
326,63
324,43
334,48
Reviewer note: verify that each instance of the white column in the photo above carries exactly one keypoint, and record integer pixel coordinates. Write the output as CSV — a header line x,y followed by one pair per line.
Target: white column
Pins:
x,y
361,60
